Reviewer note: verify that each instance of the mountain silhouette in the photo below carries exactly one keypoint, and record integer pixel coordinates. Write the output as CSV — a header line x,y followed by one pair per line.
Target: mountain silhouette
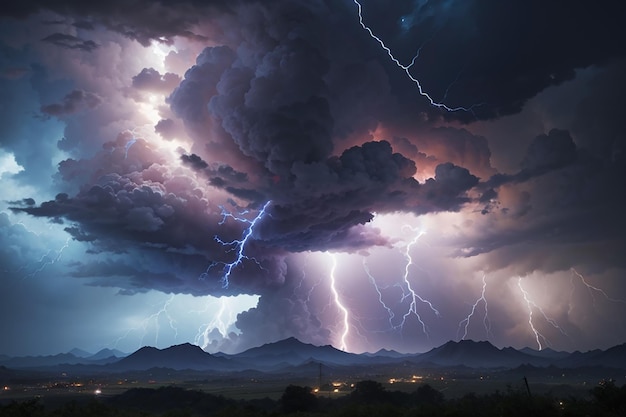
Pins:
x,y
293,354
106,354
79,353
178,357
291,351
477,355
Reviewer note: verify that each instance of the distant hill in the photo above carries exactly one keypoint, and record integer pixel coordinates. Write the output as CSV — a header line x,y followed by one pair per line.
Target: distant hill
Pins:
x,y
79,353
178,357
385,353
477,355
614,357
293,352
291,355
545,353
41,361
107,353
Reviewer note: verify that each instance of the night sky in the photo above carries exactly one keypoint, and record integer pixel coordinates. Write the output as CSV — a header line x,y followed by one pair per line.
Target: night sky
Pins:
x,y
373,174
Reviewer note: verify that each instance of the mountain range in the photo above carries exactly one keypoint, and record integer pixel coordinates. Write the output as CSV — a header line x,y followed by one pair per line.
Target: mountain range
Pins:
x,y
289,353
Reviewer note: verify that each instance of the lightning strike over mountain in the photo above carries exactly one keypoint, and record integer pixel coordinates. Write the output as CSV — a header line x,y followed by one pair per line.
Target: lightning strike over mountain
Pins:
x,y
532,305
407,68
237,245
467,319
344,311
153,319
410,292
203,337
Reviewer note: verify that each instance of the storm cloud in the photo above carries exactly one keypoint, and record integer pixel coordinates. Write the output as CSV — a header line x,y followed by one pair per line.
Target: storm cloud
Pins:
x,y
218,148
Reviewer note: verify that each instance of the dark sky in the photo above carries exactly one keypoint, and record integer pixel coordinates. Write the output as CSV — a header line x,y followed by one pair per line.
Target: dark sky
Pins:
x,y
367,174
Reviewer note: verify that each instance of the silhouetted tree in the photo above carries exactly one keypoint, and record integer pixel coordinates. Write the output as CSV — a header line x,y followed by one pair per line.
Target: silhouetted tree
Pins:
x,y
297,398
425,394
369,392
609,397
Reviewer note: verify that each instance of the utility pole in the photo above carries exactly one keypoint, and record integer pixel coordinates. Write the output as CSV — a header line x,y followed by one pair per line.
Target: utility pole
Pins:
x,y
527,387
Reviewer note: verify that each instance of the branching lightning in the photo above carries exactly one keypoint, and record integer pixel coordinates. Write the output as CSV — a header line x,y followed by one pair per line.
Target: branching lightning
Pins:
x,y
532,305
346,315
380,296
237,245
49,258
153,318
203,337
467,319
407,68
410,293
593,289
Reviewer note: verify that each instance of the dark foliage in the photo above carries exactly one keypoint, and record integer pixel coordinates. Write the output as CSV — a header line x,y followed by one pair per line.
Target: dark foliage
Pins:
x,y
297,398
369,398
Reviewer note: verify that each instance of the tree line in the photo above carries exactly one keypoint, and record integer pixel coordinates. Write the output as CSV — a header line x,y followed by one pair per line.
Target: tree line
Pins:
x,y
369,398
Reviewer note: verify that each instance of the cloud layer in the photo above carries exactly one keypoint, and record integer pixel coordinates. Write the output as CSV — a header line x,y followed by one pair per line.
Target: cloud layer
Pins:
x,y
153,136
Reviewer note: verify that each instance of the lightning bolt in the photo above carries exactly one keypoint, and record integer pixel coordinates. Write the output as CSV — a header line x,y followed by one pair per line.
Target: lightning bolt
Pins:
x,y
380,295
47,259
153,318
410,293
407,68
346,315
467,319
218,322
532,305
237,245
591,289
302,279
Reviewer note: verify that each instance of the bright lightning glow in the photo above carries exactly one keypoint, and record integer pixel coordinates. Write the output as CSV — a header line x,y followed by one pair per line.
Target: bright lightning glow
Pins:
x,y
154,319
222,320
407,68
467,319
411,294
346,315
532,305
238,245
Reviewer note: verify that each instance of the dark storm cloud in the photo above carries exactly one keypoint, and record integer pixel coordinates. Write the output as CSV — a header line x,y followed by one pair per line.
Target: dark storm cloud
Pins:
x,y
151,80
73,102
551,151
167,128
545,153
70,42
269,104
194,161
569,201
143,20
23,202
266,113
494,56
281,314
